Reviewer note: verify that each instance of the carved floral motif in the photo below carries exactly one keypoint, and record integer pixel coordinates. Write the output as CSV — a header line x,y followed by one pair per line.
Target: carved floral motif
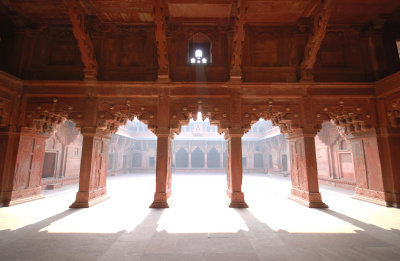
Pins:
x,y
349,118
282,114
393,112
46,115
112,114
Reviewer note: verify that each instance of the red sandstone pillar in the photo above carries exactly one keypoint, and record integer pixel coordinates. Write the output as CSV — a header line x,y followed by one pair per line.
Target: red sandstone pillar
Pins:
x,y
93,170
305,189
389,154
21,166
376,183
163,169
388,136
234,169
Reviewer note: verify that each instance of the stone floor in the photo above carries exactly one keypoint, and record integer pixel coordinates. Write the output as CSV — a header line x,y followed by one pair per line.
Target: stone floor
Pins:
x,y
199,225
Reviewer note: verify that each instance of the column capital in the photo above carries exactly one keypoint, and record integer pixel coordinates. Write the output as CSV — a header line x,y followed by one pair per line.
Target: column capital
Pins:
x,y
164,133
234,133
301,133
94,131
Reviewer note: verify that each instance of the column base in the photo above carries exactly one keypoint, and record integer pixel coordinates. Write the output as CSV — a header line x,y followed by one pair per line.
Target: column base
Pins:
x,y
11,198
235,199
377,197
89,199
161,200
13,202
308,199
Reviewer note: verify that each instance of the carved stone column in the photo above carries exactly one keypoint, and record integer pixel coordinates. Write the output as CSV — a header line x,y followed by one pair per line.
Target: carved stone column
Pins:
x,y
305,189
388,135
368,170
163,169
234,168
389,154
21,165
93,171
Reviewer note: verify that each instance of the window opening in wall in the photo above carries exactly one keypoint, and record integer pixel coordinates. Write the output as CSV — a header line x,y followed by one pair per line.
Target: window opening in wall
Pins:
x,y
199,50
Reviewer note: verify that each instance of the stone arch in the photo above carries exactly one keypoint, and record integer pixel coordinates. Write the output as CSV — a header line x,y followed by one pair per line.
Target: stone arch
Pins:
x,y
182,158
216,110
197,158
213,158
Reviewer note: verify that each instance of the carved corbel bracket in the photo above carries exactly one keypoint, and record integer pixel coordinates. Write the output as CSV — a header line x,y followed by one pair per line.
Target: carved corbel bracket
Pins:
x,y
46,115
183,111
5,111
238,40
112,114
282,114
161,40
349,118
315,40
80,29
393,113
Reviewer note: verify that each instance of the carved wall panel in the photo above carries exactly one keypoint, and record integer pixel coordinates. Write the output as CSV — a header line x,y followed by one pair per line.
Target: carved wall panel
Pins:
x,y
269,55
127,53
55,56
342,57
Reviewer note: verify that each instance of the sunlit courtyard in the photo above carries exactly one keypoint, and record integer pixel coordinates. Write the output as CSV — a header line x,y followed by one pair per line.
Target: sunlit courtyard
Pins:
x,y
199,225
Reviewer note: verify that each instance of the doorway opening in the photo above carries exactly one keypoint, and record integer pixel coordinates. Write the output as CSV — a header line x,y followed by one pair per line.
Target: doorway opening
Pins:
x,y
198,163
62,158
334,158
131,162
266,153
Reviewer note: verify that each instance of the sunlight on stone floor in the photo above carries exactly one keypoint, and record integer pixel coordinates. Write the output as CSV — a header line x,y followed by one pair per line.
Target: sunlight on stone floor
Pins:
x,y
199,225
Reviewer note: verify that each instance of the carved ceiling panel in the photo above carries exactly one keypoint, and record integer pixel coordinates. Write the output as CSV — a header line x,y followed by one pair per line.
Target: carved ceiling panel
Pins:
x,y
361,11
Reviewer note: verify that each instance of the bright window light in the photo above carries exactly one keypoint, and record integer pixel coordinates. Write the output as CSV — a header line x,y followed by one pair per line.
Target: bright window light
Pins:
x,y
198,53
204,60
192,60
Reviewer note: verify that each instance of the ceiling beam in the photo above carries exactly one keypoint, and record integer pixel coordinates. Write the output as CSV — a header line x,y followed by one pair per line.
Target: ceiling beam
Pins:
x,y
161,39
81,33
17,19
314,42
239,11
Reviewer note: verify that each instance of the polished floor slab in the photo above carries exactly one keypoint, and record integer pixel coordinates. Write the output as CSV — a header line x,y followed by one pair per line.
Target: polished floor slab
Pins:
x,y
199,225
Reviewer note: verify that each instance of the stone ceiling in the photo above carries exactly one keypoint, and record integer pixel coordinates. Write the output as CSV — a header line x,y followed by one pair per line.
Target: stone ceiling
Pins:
x,y
265,12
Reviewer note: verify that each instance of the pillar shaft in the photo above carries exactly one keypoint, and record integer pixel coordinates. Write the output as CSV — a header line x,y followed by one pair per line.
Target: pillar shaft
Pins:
x,y
234,193
21,166
389,154
93,170
375,182
305,189
163,171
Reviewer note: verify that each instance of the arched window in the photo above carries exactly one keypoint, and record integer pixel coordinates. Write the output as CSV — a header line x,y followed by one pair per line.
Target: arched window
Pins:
x,y
199,50
197,158
213,158
182,158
